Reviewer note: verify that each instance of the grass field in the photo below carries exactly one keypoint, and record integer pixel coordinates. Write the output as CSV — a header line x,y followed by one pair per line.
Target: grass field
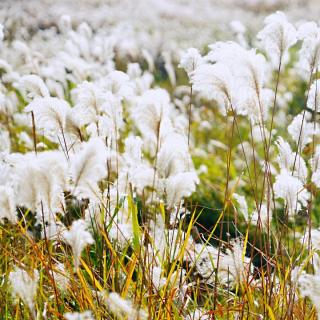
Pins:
x,y
137,184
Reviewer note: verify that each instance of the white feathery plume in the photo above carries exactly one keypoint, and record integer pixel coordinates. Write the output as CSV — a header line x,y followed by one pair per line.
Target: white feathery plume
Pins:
x,y
287,158
55,88
165,242
238,264
152,114
157,279
233,264
246,77
247,74
226,52
134,70
315,166
262,216
123,308
122,233
87,315
246,65
24,286
243,206
205,260
7,204
88,167
134,170
255,106
112,108
301,130
173,156
133,150
313,102
309,284
168,65
89,98
50,113
54,164
28,185
60,277
142,84
53,228
64,23
10,76
5,143
309,54
277,36
315,239
190,60
239,30
198,314
149,59
41,179
118,305
216,82
103,127
141,177
78,238
85,30
180,186
73,123
292,191
118,83
32,86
